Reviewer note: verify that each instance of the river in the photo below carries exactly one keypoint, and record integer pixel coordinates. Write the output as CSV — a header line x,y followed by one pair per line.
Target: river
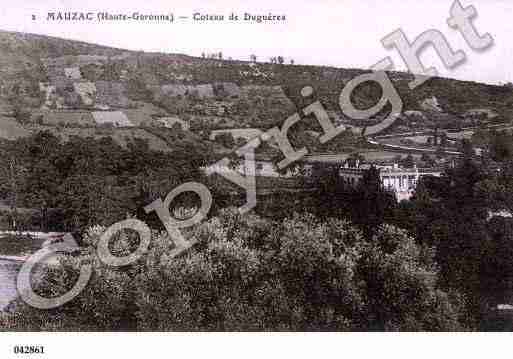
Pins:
x,y
8,292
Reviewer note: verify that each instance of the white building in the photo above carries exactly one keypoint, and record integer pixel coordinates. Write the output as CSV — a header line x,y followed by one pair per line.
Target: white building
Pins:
x,y
116,118
402,181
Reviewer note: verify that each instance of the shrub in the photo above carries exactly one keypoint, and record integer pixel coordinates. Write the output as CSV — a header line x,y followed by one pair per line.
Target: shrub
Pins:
x,y
105,304
247,273
21,114
251,274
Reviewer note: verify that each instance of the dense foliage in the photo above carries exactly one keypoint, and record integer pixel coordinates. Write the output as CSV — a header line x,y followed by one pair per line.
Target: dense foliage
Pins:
x,y
465,217
438,262
91,181
249,273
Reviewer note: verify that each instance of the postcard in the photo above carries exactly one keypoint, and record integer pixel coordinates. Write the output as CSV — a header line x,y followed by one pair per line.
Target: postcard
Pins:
x,y
172,170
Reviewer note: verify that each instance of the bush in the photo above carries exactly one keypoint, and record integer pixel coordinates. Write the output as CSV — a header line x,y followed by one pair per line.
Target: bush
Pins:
x,y
21,114
105,304
250,274
226,139
301,274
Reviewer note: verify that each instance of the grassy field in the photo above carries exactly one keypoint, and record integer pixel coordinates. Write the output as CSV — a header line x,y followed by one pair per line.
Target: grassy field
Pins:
x,y
10,129
387,155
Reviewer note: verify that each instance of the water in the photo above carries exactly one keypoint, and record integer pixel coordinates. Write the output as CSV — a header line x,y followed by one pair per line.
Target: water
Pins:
x,y
8,272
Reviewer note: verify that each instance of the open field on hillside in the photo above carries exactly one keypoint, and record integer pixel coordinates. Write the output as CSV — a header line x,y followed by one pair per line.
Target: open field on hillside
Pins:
x,y
10,129
119,135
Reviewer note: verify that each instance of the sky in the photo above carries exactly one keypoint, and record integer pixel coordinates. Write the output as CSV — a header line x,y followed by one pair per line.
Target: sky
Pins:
x,y
341,33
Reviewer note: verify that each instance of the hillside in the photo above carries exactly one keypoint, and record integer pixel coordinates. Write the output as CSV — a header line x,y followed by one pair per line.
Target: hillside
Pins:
x,y
76,87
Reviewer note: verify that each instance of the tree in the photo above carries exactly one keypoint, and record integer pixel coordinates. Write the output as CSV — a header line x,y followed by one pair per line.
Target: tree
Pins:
x,y
394,267
280,60
505,181
94,181
496,266
408,161
449,213
501,146
248,273
21,113
111,71
226,139
12,178
444,141
136,88
372,203
428,160
39,154
355,159
439,153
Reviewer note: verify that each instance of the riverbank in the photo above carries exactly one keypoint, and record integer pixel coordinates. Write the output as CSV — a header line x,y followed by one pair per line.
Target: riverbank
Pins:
x,y
17,259
15,249
19,246
8,274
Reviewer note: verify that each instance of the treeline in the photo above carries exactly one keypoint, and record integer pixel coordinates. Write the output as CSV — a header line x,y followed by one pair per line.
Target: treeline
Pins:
x,y
70,185
497,144
334,258
247,273
463,218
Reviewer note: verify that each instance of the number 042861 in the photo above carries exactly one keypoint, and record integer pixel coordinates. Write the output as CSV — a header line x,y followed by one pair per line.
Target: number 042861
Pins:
x,y
28,349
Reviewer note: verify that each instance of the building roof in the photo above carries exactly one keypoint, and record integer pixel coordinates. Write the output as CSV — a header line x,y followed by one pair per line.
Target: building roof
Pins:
x,y
116,118
246,133
169,122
